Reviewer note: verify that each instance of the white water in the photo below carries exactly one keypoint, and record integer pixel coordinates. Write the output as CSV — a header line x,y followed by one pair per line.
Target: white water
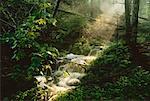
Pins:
x,y
67,75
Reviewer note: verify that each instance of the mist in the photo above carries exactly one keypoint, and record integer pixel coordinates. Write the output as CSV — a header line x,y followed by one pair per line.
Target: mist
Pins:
x,y
110,7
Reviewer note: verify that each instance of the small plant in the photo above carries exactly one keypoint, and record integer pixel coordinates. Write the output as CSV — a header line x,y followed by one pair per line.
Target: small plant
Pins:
x,y
81,47
125,88
33,94
116,55
128,87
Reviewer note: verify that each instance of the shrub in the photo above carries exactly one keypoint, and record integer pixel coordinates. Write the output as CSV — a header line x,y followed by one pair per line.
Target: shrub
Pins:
x,y
116,55
135,86
81,47
29,54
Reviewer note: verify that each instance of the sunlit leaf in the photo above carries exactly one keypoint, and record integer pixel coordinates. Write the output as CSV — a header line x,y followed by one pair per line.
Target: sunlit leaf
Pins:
x,y
41,21
48,52
31,33
54,22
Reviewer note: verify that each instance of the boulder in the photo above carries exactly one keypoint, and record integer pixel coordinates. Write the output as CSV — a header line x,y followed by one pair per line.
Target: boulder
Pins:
x,y
40,78
73,82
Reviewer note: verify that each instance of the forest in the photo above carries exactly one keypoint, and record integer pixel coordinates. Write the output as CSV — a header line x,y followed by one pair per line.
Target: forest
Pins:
x,y
75,50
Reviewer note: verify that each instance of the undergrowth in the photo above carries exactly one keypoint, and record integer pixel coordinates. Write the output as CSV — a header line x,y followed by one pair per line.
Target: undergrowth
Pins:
x,y
112,77
35,38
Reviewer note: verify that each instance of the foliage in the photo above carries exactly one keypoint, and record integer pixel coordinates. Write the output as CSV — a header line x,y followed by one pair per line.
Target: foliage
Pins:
x,y
128,87
81,47
143,34
70,29
143,37
34,37
43,60
85,46
125,88
73,23
25,42
33,94
116,55
75,96
27,95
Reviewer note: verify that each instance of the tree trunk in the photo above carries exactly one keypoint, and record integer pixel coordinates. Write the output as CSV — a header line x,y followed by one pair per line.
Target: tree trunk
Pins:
x,y
148,10
131,21
134,23
132,8
92,8
128,20
56,7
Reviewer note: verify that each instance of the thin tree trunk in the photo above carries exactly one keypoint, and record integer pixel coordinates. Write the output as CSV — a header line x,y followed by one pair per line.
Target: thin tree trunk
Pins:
x,y
128,20
92,8
148,10
56,7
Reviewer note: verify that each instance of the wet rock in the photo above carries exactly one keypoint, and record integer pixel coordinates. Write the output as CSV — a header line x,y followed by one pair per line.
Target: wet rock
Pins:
x,y
79,61
72,67
40,78
76,75
71,56
58,73
63,82
73,82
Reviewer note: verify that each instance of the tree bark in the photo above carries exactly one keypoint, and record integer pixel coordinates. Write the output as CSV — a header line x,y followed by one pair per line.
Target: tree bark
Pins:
x,y
131,15
56,7
132,7
128,20
134,23
148,11
92,8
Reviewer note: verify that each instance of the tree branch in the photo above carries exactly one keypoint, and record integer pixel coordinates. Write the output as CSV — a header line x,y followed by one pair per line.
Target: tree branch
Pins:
x,y
7,23
72,13
143,18
11,17
31,9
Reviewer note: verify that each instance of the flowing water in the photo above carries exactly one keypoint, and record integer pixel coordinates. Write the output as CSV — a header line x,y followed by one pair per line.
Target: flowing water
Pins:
x,y
73,67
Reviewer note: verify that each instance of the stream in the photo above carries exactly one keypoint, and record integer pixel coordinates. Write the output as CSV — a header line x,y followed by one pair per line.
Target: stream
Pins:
x,y
68,75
